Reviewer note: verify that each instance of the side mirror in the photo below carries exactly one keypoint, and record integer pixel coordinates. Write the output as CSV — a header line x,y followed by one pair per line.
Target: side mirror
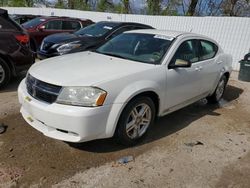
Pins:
x,y
180,63
41,28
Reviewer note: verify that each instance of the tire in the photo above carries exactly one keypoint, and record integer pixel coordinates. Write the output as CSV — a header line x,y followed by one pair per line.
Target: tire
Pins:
x,y
5,73
132,126
219,91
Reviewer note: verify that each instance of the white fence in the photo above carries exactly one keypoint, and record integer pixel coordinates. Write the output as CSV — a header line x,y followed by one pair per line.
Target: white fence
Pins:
x,y
232,33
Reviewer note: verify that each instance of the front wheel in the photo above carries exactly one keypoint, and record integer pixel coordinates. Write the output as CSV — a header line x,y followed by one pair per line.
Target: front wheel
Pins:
x,y
135,120
219,91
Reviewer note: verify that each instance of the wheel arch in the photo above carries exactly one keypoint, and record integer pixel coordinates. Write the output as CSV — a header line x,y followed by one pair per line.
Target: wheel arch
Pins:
x,y
127,96
9,63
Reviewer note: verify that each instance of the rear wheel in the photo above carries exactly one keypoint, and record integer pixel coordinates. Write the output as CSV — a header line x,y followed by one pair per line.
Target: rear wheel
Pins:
x,y
4,73
135,120
219,91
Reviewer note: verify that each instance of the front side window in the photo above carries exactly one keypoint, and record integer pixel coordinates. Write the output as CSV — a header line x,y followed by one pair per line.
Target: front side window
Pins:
x,y
146,48
53,25
187,51
208,50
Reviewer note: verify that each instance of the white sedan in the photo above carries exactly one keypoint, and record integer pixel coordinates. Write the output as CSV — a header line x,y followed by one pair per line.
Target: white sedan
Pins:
x,y
119,89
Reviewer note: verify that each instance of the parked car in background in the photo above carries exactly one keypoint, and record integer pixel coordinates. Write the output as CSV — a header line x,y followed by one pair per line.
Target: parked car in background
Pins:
x,y
41,27
15,53
23,18
88,38
123,85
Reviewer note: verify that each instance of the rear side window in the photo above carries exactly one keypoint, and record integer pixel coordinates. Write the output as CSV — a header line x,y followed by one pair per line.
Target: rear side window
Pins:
x,y
207,50
70,25
53,25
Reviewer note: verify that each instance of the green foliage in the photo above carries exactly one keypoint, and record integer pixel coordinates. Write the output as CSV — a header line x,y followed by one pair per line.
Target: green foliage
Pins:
x,y
105,6
154,7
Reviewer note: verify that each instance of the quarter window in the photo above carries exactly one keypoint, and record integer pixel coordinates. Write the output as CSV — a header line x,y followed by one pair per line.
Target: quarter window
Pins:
x,y
208,50
187,51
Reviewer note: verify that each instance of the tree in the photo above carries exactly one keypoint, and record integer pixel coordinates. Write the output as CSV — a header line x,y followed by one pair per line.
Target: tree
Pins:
x,y
105,5
192,7
154,7
126,6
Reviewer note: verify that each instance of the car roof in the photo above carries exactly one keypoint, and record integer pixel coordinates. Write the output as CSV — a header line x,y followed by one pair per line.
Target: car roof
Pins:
x,y
56,17
168,33
125,23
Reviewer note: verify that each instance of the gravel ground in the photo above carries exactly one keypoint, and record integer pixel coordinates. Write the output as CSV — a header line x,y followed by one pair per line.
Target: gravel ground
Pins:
x,y
199,146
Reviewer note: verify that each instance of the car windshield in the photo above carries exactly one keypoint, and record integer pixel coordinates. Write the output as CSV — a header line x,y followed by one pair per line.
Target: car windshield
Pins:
x,y
34,22
96,30
146,48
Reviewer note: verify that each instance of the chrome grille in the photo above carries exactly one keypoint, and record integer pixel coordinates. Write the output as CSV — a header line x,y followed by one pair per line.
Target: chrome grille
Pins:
x,y
41,90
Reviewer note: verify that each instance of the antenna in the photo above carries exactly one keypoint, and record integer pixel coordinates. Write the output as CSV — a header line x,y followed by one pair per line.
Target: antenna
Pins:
x,y
191,30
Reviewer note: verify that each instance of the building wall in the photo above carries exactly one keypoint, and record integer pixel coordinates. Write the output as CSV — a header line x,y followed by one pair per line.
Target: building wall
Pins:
x,y
232,33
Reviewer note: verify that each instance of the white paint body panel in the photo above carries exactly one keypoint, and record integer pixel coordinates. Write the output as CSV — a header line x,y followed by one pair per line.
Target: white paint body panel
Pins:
x,y
123,80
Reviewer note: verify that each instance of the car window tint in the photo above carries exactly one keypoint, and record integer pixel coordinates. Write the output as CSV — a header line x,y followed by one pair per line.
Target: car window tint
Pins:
x,y
97,30
208,50
71,25
187,52
53,25
34,22
121,30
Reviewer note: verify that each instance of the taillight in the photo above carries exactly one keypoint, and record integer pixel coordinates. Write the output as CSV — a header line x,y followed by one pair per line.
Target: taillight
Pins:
x,y
23,39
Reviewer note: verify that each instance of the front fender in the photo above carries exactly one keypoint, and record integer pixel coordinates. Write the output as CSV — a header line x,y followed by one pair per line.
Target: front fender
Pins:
x,y
127,94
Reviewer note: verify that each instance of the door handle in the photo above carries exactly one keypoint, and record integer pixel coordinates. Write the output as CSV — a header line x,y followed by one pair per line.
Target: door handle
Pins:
x,y
198,68
219,62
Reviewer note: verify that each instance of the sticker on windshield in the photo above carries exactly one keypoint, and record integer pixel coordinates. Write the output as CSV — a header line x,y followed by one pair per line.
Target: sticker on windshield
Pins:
x,y
107,27
163,37
42,20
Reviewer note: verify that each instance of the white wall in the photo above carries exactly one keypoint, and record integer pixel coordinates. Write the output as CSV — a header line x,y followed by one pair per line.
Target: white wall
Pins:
x,y
232,33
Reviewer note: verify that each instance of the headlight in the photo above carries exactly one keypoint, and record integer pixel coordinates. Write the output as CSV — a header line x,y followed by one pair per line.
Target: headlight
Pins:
x,y
82,96
67,47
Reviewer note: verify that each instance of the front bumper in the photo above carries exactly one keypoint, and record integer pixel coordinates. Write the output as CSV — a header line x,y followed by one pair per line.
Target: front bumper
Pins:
x,y
63,122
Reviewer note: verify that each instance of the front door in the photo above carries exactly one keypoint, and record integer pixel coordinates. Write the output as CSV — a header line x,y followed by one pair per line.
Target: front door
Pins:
x,y
183,84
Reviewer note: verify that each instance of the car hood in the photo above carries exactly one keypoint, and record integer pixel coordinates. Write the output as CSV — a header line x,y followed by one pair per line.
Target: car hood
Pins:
x,y
85,69
60,37
68,37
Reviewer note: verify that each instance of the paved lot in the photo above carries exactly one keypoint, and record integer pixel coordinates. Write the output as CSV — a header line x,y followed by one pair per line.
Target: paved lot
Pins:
x,y
199,146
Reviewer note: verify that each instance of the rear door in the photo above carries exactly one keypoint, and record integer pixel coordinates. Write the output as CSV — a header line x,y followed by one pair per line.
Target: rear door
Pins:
x,y
209,66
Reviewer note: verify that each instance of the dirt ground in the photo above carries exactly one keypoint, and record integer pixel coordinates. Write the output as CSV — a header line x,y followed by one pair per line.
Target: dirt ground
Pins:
x,y
199,146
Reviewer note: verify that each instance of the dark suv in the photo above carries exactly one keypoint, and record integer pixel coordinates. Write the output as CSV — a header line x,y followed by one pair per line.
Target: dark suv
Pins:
x,y
41,27
15,53
88,38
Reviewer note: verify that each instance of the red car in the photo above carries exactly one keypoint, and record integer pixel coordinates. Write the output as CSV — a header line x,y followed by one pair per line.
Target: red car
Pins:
x,y
41,27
